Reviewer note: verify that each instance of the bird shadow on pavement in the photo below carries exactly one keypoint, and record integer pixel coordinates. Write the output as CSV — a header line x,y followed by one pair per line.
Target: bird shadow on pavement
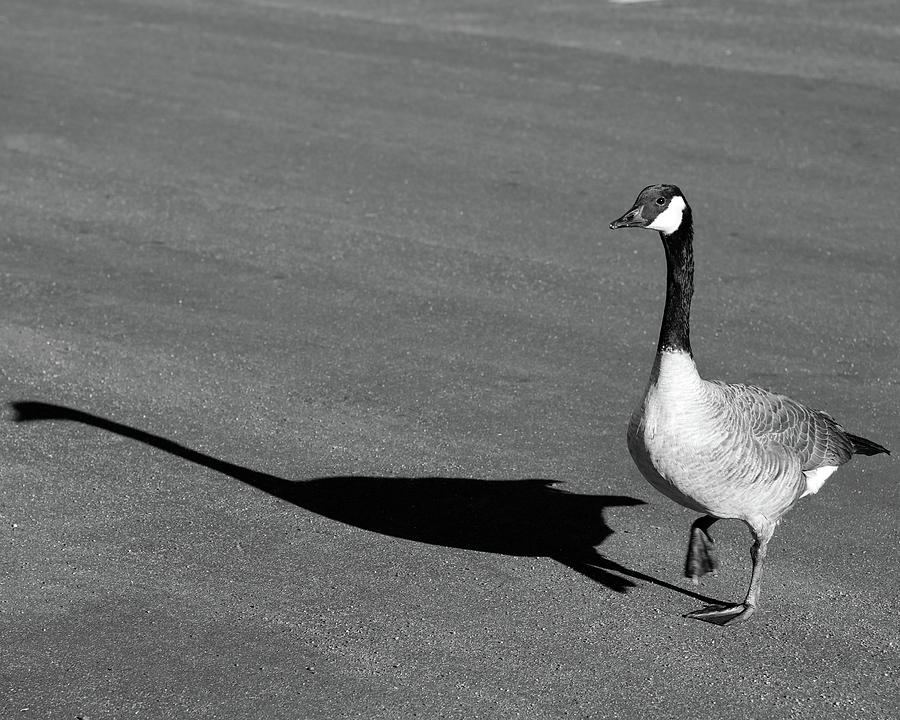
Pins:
x,y
526,518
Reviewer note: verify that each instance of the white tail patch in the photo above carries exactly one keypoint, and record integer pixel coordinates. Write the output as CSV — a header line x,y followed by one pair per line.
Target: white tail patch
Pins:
x,y
815,479
669,220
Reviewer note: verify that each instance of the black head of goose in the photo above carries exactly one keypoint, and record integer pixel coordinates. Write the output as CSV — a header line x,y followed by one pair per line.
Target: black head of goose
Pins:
x,y
725,450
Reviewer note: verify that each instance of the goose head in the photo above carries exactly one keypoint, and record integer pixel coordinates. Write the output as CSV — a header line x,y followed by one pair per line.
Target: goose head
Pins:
x,y
658,207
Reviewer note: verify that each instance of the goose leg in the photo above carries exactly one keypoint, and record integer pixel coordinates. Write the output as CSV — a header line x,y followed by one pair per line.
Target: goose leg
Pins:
x,y
762,530
700,558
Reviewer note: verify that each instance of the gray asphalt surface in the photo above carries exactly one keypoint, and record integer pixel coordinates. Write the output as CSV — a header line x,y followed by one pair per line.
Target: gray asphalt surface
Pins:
x,y
348,354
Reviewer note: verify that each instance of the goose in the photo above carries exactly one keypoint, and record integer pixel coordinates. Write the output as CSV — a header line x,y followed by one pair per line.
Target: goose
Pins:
x,y
728,451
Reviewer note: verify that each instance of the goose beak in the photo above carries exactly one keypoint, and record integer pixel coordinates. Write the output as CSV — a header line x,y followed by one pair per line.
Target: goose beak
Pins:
x,y
633,218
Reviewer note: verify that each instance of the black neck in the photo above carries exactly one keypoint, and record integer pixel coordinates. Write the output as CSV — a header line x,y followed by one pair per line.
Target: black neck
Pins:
x,y
675,333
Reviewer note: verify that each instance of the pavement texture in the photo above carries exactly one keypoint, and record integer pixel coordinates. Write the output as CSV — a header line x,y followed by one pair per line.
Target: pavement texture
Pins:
x,y
330,353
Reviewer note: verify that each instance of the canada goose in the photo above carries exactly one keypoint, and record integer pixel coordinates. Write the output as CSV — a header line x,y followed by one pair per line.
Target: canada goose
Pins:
x,y
727,451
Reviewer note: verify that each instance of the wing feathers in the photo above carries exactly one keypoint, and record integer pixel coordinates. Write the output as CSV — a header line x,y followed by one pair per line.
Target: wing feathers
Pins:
x,y
812,436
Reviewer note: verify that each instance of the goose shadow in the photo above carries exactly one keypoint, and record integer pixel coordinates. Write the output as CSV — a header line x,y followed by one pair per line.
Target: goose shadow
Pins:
x,y
525,518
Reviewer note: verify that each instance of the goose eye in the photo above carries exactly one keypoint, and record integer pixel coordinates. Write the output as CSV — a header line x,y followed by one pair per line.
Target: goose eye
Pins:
x,y
660,201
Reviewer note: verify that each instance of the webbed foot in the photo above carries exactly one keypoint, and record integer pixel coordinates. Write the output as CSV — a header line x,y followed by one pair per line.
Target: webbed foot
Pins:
x,y
723,614
701,558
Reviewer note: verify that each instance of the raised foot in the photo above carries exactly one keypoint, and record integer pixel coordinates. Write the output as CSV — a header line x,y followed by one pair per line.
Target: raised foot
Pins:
x,y
701,557
723,614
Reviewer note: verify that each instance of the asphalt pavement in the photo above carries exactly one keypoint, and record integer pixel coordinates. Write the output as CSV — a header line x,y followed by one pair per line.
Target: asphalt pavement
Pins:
x,y
318,354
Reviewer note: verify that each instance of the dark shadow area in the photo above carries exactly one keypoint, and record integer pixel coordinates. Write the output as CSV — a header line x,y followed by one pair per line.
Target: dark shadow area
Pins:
x,y
528,518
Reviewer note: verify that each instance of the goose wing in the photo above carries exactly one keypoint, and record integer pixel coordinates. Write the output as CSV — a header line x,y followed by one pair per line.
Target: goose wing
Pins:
x,y
812,436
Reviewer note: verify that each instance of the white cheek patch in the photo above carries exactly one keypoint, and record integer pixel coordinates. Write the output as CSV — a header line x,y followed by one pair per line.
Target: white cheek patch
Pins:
x,y
669,220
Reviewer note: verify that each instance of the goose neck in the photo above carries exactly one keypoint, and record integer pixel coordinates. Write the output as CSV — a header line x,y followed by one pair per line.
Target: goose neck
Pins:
x,y
675,332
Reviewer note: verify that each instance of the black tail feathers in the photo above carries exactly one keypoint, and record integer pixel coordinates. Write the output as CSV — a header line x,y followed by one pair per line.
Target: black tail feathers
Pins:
x,y
861,446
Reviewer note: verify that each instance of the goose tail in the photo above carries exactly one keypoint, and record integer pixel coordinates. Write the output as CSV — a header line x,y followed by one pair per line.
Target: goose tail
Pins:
x,y
862,446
